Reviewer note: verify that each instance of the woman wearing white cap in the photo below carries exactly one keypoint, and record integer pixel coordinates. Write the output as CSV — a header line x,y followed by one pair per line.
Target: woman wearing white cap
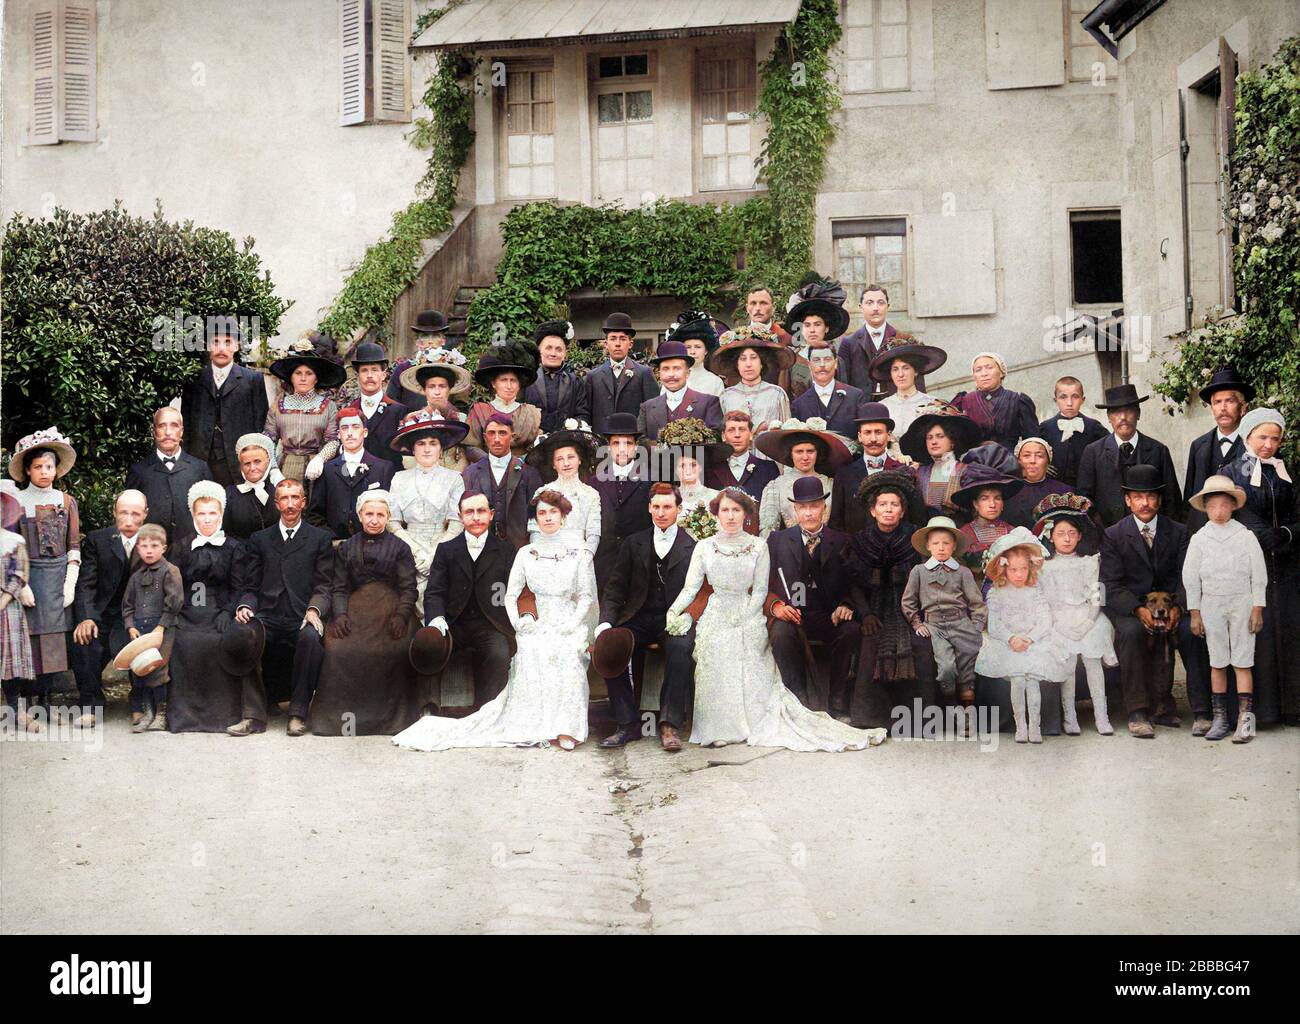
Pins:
x,y
250,504
1002,415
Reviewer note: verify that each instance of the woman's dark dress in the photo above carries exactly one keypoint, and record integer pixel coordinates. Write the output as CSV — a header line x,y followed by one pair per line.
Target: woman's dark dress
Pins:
x,y
245,515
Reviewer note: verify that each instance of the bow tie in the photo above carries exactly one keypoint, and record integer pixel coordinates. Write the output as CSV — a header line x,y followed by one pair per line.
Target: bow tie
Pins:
x,y
1067,427
1225,444
875,463
169,461
216,540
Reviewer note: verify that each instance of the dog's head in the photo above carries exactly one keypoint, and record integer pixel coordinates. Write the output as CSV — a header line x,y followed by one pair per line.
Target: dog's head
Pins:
x,y
1160,603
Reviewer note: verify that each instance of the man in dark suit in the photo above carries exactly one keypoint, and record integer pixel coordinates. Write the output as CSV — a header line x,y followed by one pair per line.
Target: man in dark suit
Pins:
x,y
1104,462
827,398
649,573
858,349
166,476
1228,397
354,470
678,402
872,427
624,488
464,598
1069,432
107,560
557,391
621,384
506,479
742,468
224,402
1140,554
289,575
380,414
812,596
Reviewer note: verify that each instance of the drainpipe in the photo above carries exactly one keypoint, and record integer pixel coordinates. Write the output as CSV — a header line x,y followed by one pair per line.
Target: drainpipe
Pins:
x,y
1183,149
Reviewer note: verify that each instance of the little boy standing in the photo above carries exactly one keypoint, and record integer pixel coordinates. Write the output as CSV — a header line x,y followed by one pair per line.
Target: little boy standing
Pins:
x,y
152,600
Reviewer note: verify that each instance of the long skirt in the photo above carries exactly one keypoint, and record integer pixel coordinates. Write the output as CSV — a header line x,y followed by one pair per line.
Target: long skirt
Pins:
x,y
1277,653
49,622
15,644
203,697
367,686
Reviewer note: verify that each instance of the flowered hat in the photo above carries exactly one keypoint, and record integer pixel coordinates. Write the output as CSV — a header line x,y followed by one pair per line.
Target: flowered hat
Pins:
x,y
833,450
424,423
576,434
448,363
553,329
314,350
1055,508
51,438
761,339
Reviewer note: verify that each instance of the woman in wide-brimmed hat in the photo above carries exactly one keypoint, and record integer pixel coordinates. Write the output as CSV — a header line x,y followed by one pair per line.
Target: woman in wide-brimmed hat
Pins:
x,y
51,527
507,371
936,440
302,421
822,301
694,329
746,357
439,374
425,500
563,457
807,448
1002,415
899,365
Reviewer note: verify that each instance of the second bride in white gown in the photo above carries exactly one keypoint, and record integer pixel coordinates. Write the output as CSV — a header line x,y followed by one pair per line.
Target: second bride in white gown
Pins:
x,y
739,696
545,699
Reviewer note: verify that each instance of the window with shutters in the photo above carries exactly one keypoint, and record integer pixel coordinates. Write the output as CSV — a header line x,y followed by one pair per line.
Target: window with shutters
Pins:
x,y
725,101
374,69
1084,52
876,51
528,129
64,42
872,251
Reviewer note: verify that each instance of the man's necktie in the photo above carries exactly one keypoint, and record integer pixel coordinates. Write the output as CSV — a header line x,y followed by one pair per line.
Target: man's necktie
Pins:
x,y
1126,450
288,535
1148,536
810,545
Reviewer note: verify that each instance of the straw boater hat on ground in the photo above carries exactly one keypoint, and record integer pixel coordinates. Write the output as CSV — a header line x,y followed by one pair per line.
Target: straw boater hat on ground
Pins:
x,y
963,431
430,650
424,423
142,654
921,535
1218,484
898,481
575,434
722,360
518,357
447,363
924,358
64,454
824,299
833,450
316,351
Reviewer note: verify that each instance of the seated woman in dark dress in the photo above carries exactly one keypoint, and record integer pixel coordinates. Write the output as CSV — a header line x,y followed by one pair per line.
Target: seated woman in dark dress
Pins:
x,y
367,686
209,682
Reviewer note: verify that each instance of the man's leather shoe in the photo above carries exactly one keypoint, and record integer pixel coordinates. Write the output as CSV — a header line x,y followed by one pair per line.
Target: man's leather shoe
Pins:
x,y
668,738
623,735
297,726
1139,726
1167,715
247,727
1200,725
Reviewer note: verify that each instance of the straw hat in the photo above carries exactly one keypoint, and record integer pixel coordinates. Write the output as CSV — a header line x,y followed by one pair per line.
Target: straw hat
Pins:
x,y
920,536
1217,484
50,437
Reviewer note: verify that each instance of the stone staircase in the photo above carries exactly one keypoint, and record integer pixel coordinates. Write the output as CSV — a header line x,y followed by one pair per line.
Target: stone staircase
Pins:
x,y
456,316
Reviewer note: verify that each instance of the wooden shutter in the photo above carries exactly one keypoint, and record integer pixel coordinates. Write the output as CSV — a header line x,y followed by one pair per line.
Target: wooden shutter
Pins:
x,y
77,43
392,81
45,74
352,70
1227,130
1024,43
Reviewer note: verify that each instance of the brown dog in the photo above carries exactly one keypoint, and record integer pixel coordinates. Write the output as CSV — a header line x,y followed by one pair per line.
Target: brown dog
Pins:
x,y
1160,603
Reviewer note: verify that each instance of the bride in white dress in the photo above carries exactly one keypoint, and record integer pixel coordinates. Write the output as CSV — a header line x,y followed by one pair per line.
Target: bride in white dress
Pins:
x,y
739,696
545,699
561,457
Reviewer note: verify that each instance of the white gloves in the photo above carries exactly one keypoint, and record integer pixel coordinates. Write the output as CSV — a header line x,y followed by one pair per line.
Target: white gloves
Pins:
x,y
440,624
315,467
70,583
527,624
600,629
27,598
677,624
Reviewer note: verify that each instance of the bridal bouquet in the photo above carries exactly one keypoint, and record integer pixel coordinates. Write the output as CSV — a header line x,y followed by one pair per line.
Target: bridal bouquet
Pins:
x,y
699,523
686,433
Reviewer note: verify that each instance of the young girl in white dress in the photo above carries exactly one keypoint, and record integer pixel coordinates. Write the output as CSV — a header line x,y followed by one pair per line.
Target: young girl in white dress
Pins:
x,y
425,501
1069,582
545,699
1018,638
739,696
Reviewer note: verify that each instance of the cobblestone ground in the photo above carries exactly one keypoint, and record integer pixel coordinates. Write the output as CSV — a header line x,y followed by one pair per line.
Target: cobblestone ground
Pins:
x,y
206,833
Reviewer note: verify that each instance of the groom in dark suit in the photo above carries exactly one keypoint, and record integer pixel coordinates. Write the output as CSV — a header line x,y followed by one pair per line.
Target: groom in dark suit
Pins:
x,y
222,404
620,384
827,398
649,573
466,592
812,596
678,402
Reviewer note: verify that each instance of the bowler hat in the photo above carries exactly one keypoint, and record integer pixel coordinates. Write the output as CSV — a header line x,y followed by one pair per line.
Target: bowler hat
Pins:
x,y
620,424
874,412
1143,478
808,488
1226,378
430,650
369,351
240,648
672,350
620,322
1121,397
612,651
430,321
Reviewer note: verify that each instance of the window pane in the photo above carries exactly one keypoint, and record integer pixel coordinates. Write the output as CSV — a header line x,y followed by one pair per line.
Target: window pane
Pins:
x,y
712,108
889,268
636,64
543,85
544,117
639,106
892,12
611,67
517,86
517,119
888,245
610,107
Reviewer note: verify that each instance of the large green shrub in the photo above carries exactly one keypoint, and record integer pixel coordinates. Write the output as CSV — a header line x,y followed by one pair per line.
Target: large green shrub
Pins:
x,y
90,309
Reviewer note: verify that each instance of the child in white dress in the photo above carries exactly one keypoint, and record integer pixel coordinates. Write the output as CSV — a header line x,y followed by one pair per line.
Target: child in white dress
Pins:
x,y
1018,637
1069,581
1226,579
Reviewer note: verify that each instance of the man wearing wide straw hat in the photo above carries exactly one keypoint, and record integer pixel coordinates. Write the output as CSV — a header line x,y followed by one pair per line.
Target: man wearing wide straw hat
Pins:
x,y
1228,397
620,384
1104,462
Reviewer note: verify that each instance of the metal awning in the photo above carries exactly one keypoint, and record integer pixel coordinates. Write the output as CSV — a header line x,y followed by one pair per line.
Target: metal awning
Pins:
x,y
554,22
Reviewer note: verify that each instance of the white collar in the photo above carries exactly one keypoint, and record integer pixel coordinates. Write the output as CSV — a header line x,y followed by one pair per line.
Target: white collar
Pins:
x,y
128,542
1132,440
675,397
497,404
285,530
352,458
163,458
738,459
825,392
499,461
877,332
371,402
220,373
1144,526
668,535
621,472
216,540
874,460
1220,437
950,563
476,543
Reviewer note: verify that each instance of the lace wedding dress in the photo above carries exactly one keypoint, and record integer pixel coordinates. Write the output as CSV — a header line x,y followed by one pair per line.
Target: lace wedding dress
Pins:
x,y
582,525
426,511
739,696
546,694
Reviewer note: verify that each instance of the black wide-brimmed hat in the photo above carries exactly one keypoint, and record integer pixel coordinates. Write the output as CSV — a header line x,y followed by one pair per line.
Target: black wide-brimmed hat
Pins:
x,y
1056,507
1121,397
430,321
693,323
672,350
964,432
977,477
316,351
240,647
430,650
553,329
898,481
925,358
874,412
620,322
1226,378
612,651
824,299
578,437
1143,478
832,450
426,424
518,357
